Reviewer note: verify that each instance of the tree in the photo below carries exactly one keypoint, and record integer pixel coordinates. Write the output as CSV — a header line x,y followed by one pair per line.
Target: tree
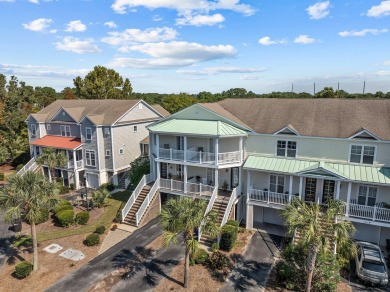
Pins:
x,y
52,159
27,197
316,226
103,83
138,168
68,93
182,217
327,92
176,102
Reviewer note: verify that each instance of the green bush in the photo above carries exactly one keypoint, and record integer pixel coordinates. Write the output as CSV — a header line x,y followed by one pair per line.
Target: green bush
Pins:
x,y
92,239
215,246
108,186
101,198
100,229
72,186
229,235
66,217
200,257
217,261
61,208
64,190
23,269
19,167
82,218
2,176
60,204
43,217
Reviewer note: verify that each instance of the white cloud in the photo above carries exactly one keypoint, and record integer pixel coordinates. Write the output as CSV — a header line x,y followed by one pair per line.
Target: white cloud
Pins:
x,y
76,26
382,73
110,24
53,31
163,63
304,39
157,17
34,1
134,35
220,70
7,0
266,41
383,9
75,45
199,20
362,32
318,10
38,24
182,6
249,77
386,63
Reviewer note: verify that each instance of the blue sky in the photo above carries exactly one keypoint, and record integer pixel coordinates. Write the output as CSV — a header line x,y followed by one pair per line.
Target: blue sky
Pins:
x,y
192,45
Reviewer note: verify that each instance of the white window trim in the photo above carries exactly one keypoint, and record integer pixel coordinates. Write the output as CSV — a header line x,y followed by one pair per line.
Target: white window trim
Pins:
x,y
135,129
65,127
86,159
121,151
86,133
108,153
361,156
33,130
277,180
368,186
287,140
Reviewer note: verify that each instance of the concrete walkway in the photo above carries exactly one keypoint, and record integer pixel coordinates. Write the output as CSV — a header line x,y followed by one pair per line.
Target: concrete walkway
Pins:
x,y
91,273
254,266
113,238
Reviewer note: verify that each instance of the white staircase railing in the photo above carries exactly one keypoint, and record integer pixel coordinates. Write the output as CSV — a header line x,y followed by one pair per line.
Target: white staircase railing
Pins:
x,y
147,201
32,165
144,181
232,199
208,209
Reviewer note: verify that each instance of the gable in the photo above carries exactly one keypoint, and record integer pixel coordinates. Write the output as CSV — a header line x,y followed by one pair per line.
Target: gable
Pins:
x,y
62,116
139,113
364,135
287,131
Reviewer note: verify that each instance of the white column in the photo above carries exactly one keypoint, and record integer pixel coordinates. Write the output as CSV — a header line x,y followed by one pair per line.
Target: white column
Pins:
x,y
300,187
290,188
76,174
216,144
158,145
248,185
185,178
158,170
216,177
239,180
338,190
241,148
185,148
249,216
348,198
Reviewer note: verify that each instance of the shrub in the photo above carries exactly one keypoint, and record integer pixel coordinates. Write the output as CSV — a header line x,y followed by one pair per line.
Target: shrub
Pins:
x,y
19,167
64,190
82,217
2,176
92,239
43,217
200,257
215,246
108,186
100,198
23,269
229,235
65,217
72,186
60,204
100,229
217,261
118,217
61,208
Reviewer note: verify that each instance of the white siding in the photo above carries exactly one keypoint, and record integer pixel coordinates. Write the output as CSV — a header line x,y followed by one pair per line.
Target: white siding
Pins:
x,y
139,114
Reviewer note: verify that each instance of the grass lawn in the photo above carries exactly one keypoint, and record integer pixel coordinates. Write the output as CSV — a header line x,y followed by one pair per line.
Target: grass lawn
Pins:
x,y
116,203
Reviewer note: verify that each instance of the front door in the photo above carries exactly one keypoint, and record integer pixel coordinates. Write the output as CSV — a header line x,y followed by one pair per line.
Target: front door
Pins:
x,y
328,191
234,177
163,170
310,192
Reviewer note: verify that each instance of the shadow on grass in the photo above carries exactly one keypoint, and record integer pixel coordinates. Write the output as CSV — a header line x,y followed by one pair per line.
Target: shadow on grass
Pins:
x,y
10,252
142,261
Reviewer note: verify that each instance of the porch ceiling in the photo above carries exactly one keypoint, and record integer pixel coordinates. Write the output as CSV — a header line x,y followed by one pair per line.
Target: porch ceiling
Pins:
x,y
197,127
58,142
360,173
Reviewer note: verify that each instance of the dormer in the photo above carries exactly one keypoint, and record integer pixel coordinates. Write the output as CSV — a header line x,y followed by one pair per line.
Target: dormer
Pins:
x,y
364,134
287,130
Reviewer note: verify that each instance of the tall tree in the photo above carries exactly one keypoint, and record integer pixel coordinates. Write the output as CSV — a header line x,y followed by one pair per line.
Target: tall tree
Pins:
x,y
26,197
176,102
103,83
316,227
52,159
182,217
68,93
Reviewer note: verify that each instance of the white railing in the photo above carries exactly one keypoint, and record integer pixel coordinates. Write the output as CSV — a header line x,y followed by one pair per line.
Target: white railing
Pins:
x,y
369,212
214,196
200,157
79,164
70,164
232,199
134,196
30,166
229,157
172,185
146,202
171,154
191,188
269,197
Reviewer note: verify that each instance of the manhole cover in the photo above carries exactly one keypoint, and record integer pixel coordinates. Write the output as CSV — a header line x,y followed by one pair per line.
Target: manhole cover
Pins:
x,y
53,248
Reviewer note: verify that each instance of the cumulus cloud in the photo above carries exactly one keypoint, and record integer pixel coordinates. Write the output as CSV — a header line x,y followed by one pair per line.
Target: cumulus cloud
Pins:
x,y
134,35
220,70
383,9
318,10
304,39
110,24
199,20
363,32
78,46
249,77
266,41
76,26
38,24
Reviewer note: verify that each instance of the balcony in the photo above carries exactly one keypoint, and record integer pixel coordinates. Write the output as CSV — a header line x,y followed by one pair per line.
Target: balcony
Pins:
x,y
269,197
372,213
191,189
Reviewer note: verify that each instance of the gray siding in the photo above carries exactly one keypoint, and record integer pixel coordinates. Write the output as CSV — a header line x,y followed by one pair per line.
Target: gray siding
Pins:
x,y
104,144
139,114
89,144
55,129
62,116
31,121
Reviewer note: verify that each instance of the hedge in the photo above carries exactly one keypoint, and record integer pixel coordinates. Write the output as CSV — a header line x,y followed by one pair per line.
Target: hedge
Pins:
x,y
60,204
229,235
66,217
82,218
92,239
23,269
200,257
108,186
100,229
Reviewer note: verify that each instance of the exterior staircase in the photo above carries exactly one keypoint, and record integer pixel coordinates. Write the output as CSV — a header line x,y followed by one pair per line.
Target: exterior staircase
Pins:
x,y
32,165
122,184
130,218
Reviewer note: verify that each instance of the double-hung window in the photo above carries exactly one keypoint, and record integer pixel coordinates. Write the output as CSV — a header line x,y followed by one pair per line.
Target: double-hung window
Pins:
x,y
362,154
88,134
286,148
367,195
33,130
276,183
90,158
65,131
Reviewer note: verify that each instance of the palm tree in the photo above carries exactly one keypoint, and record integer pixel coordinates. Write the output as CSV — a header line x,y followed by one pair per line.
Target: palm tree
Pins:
x,y
182,217
25,197
304,218
52,159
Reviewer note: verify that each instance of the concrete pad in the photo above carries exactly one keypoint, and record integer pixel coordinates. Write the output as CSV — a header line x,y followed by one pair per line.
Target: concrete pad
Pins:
x,y
53,248
72,254
127,227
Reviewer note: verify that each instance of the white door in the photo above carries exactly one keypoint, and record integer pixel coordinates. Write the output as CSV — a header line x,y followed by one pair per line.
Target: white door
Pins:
x,y
92,181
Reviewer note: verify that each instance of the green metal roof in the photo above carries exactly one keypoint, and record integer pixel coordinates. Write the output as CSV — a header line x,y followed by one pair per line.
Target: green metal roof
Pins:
x,y
197,127
361,173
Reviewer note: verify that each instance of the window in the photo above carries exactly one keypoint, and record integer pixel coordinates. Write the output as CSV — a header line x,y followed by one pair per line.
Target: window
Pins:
x,y
88,133
90,158
33,130
107,131
48,127
362,154
276,183
135,129
180,143
367,195
108,153
328,190
286,148
121,151
65,131
179,170
145,149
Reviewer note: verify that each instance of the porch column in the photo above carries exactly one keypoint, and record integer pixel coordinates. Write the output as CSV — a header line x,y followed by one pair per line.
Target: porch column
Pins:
x,y
185,148
216,177
290,188
300,187
158,146
248,185
338,190
249,216
185,178
158,170
240,149
239,180
76,174
216,146
348,198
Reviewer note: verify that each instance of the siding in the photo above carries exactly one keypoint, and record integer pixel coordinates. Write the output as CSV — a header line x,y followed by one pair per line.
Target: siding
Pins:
x,y
89,144
139,114
62,116
32,121
55,129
